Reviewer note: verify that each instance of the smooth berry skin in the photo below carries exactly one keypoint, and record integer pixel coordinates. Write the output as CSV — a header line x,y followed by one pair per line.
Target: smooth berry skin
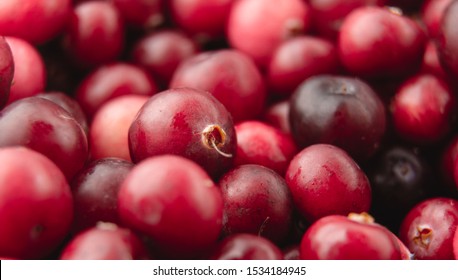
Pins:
x,y
145,14
173,201
377,43
109,129
277,115
37,22
257,201
428,229
432,12
186,122
230,76
35,204
448,40
161,52
325,180
29,77
423,109
110,81
338,110
338,237
263,144
245,246
94,34
298,59
105,241
455,245
431,62
447,164
279,21
95,192
6,71
291,252
45,127
204,18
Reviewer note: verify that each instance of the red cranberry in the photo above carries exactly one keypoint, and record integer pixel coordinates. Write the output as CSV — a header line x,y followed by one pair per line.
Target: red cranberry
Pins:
x,y
29,70
6,71
431,63
431,14
448,39
259,143
95,34
291,252
355,237
338,110
324,180
328,15
186,122
95,192
423,109
205,18
105,242
45,127
109,130
257,27
172,200
230,76
298,59
375,42
245,246
428,228
257,201
161,52
146,14
447,164
36,22
110,81
277,115
35,204
455,244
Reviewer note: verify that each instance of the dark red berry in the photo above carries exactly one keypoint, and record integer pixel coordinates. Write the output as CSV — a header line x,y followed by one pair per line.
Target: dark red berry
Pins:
x,y
6,71
448,40
146,14
432,12
244,246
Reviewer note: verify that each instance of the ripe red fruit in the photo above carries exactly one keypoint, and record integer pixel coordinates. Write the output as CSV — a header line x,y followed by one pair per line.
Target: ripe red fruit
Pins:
x,y
355,237
173,201
186,122
455,244
428,228
432,12
245,246
448,40
6,71
257,201
277,115
36,206
146,14
324,180
106,241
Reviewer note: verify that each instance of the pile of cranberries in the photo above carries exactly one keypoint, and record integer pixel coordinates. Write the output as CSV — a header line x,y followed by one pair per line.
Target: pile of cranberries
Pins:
x,y
229,129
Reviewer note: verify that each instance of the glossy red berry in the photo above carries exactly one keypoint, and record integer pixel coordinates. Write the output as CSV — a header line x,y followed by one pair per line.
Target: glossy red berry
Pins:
x,y
146,14
277,115
36,206
244,246
432,12
6,71
186,122
448,40
455,245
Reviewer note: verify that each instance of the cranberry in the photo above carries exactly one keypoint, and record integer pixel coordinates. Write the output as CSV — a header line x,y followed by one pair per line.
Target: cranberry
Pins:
x,y
36,22
205,18
259,143
324,180
298,59
95,192
291,252
29,70
110,81
428,228
431,14
95,34
448,39
186,122
375,42
277,115
447,164
6,71
338,110
172,200
431,63
109,130
161,52
35,204
46,127
328,15
146,14
455,244
423,109
355,237
105,242
230,76
257,27
257,201
243,246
